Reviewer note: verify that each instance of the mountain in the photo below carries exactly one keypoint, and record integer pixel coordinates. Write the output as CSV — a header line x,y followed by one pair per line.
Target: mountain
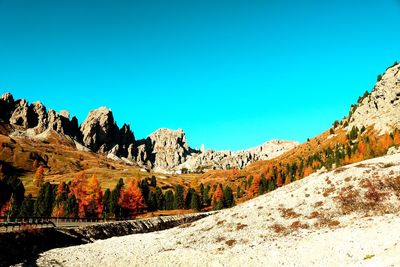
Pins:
x,y
381,108
164,151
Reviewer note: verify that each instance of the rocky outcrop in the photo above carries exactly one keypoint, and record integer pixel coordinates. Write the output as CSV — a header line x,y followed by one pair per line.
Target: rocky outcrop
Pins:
x,y
163,150
381,108
222,160
101,134
6,107
19,116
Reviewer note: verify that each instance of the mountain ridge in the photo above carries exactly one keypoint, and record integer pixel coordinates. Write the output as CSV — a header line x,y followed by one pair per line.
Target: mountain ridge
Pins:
x,y
164,150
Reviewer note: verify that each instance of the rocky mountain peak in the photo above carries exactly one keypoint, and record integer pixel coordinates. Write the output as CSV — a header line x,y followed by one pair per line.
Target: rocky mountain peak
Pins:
x,y
381,108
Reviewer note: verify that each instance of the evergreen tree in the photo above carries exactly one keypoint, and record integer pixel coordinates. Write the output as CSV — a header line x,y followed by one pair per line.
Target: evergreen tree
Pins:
x,y
179,198
106,202
195,201
160,199
71,206
188,198
201,189
44,203
263,185
27,207
153,181
115,196
228,197
144,188
169,200
206,196
152,202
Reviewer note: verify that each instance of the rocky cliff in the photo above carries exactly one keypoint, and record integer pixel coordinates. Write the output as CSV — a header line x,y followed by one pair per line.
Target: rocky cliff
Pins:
x,y
381,108
165,150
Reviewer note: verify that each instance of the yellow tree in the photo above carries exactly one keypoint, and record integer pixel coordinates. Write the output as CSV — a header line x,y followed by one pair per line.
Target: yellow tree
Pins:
x,y
39,176
93,198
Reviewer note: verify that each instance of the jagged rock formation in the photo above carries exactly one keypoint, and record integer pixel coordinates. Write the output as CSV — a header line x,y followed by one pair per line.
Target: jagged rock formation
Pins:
x,y
101,134
211,159
32,120
380,109
164,150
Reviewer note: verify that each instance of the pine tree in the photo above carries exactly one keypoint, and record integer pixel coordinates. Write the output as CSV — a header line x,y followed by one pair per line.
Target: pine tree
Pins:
x,y
27,207
195,201
228,197
43,206
160,199
169,200
188,198
106,202
115,208
153,181
179,199
71,206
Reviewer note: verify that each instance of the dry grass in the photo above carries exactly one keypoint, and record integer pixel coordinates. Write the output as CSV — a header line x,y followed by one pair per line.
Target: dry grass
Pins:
x,y
241,226
289,213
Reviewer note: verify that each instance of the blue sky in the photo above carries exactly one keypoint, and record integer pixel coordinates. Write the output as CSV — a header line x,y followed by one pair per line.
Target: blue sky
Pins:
x,y
232,74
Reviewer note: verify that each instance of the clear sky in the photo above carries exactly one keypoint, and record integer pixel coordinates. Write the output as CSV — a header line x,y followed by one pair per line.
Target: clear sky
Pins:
x,y
232,74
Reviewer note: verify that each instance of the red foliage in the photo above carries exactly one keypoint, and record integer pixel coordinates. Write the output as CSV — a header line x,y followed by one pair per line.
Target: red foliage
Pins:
x,y
218,194
131,198
255,186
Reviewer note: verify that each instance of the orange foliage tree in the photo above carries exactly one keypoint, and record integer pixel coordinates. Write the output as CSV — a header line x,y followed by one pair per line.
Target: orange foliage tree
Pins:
x,y
218,198
279,181
131,199
386,141
78,188
39,176
93,198
396,137
255,186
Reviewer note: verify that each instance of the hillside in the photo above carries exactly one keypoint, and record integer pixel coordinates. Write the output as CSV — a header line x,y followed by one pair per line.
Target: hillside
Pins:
x,y
308,223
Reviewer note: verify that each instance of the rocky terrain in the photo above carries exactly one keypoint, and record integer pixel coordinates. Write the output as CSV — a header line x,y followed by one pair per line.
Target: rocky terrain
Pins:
x,y
381,108
223,160
349,216
164,151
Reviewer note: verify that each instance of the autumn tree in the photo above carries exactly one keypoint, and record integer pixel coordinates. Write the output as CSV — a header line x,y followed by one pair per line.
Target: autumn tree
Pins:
x,y
78,188
254,189
39,176
131,199
93,199
60,200
218,198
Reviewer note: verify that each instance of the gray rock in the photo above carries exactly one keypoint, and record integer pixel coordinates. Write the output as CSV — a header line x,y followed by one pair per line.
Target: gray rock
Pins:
x,y
19,117
6,107
381,109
